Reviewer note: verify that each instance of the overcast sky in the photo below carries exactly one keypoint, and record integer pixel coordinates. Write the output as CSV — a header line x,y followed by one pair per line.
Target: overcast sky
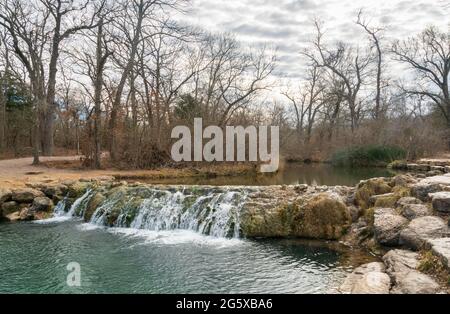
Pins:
x,y
287,24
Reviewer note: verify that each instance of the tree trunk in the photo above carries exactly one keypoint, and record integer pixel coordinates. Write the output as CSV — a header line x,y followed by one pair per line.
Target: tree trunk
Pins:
x,y
2,122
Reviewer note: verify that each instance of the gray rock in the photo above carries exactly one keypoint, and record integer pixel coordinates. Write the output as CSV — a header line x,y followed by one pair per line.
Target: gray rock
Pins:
x,y
422,189
441,201
9,207
401,266
421,229
42,204
415,282
413,211
441,248
367,279
387,226
26,195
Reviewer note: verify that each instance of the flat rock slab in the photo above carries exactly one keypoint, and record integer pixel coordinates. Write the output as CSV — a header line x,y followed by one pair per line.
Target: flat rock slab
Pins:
x,y
420,230
441,248
444,179
441,201
367,279
401,266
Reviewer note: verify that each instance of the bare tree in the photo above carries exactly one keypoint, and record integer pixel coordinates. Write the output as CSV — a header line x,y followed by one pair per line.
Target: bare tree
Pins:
x,y
429,56
374,34
348,65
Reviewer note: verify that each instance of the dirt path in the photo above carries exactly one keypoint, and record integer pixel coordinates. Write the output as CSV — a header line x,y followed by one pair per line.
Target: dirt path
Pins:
x,y
19,172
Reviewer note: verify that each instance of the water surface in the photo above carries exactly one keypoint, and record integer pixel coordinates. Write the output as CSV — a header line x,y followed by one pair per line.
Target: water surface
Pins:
x,y
33,259
292,173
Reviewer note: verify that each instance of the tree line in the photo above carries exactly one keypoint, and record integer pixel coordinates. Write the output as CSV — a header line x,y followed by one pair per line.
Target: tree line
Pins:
x,y
116,76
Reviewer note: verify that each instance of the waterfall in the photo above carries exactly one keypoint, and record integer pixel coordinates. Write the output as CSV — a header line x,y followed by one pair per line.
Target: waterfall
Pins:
x,y
209,211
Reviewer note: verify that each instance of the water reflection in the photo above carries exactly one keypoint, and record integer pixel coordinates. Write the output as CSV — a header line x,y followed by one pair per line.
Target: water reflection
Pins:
x,y
292,173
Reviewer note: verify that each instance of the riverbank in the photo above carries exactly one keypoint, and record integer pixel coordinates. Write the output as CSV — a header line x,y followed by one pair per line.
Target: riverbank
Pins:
x,y
21,172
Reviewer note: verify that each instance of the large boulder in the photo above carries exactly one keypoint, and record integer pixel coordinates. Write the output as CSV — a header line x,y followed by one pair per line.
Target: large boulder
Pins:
x,y
419,230
321,216
413,211
441,201
387,226
402,265
42,204
367,279
26,195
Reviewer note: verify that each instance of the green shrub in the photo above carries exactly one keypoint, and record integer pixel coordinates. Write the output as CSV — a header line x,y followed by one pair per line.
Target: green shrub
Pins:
x,y
367,156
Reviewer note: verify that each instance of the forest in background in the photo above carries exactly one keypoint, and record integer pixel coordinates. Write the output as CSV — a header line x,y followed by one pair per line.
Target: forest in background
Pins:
x,y
115,77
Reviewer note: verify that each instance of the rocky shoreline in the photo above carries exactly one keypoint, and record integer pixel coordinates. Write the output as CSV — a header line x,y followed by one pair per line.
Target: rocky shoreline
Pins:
x,y
403,220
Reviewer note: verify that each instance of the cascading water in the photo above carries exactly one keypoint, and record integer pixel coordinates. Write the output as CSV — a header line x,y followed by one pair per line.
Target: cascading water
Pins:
x,y
213,212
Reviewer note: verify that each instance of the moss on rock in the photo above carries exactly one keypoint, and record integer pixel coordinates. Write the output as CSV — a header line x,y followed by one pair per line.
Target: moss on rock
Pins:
x,y
92,205
322,217
369,188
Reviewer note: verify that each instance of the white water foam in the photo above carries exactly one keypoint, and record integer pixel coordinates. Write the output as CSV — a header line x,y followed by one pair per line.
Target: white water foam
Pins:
x,y
175,237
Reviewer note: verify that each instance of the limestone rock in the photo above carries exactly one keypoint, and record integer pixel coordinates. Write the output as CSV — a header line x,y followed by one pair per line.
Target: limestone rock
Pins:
x,y
387,226
443,179
441,201
421,229
422,189
408,200
42,204
26,195
366,189
441,248
413,211
367,279
320,216
401,266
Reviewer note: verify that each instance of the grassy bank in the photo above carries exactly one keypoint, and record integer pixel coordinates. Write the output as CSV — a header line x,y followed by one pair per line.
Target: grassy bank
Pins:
x,y
367,156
